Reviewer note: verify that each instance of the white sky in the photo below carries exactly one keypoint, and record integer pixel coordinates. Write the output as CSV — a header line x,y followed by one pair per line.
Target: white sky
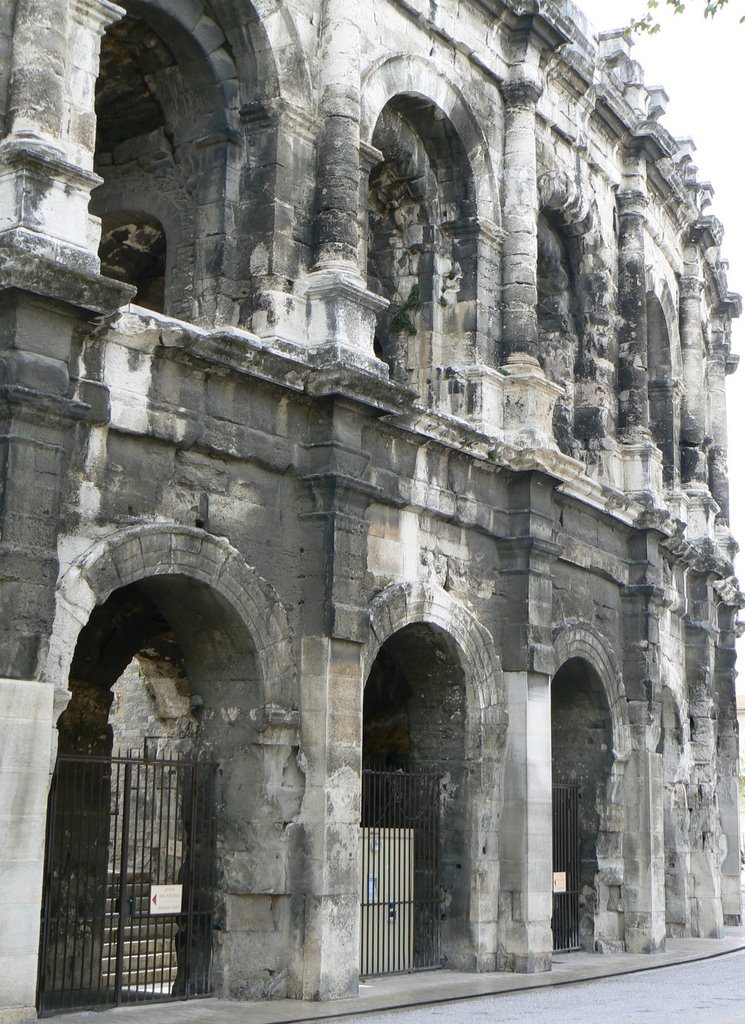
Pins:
x,y
701,64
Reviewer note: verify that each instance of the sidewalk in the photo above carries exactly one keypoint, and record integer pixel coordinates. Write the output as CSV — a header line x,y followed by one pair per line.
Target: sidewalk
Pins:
x,y
408,990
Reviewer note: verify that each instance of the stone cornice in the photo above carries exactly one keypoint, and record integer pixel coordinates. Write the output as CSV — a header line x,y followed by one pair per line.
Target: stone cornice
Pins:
x,y
51,277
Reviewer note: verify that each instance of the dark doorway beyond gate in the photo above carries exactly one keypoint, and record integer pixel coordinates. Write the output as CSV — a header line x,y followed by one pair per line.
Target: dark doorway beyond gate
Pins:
x,y
129,882
415,793
581,761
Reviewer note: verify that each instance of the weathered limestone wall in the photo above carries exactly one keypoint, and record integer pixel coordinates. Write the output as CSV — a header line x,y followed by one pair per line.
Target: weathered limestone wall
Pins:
x,y
416,339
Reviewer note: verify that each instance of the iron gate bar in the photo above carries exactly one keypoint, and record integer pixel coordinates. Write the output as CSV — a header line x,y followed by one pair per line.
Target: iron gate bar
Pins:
x,y
123,865
107,823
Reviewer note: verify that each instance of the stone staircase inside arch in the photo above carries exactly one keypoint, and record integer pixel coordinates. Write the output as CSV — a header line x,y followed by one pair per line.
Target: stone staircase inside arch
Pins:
x,y
149,942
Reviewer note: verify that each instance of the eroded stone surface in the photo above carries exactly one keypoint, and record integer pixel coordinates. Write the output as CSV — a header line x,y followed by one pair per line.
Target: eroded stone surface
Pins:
x,y
423,388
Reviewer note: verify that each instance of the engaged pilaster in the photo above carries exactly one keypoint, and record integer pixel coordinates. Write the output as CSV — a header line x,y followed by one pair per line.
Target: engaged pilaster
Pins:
x,y
529,397
342,313
642,460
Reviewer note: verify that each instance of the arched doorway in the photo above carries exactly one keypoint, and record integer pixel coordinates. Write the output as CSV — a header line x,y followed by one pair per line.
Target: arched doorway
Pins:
x,y
164,682
581,762
415,858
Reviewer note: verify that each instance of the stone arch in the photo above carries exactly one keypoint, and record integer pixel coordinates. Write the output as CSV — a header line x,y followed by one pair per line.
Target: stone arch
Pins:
x,y
575,345
407,74
167,101
150,230
663,368
582,640
657,286
590,746
136,553
432,240
259,36
458,722
192,35
168,595
405,604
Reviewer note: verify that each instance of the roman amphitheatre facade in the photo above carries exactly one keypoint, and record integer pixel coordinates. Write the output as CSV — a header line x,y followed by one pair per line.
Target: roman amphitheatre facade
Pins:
x,y
367,581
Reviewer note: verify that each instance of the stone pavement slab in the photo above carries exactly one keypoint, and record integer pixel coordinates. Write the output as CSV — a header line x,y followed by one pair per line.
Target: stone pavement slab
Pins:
x,y
402,991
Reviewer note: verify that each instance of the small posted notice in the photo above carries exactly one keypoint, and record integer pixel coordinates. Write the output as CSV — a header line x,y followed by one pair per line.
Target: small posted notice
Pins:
x,y
166,899
560,881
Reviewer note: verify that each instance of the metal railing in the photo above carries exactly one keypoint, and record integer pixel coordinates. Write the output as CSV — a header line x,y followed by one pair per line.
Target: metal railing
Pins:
x,y
400,871
565,920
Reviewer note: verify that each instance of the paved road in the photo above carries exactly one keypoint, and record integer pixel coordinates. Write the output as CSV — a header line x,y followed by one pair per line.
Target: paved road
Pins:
x,y
704,992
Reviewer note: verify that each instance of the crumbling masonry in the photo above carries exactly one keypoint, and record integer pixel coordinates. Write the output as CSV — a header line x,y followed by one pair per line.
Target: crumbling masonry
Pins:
x,y
346,342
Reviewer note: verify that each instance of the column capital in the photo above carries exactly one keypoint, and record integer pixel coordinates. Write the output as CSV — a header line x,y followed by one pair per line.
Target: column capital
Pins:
x,y
632,202
522,91
691,287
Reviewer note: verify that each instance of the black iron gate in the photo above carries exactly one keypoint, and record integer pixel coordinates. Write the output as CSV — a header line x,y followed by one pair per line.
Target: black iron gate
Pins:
x,y
400,871
129,882
565,921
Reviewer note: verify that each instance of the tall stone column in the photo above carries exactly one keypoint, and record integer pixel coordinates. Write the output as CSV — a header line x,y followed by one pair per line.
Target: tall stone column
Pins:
x,y
525,941
342,312
642,459
633,374
529,397
728,754
693,430
46,159
335,628
643,843
705,826
525,898
721,362
338,144
519,219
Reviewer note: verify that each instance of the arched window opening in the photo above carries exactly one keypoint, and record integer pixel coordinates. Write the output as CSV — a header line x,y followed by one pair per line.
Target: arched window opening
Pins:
x,y
664,411
558,332
167,117
422,244
137,159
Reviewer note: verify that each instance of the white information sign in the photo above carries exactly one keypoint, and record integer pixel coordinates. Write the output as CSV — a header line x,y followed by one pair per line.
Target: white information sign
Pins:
x,y
560,881
166,899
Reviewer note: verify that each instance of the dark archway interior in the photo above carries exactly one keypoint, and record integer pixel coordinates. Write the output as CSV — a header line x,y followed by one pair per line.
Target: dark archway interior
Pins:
x,y
133,250
176,643
133,138
421,242
414,706
558,320
663,415
414,716
582,755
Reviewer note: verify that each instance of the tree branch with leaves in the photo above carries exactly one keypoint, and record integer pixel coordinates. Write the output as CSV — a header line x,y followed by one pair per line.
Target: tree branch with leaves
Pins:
x,y
649,21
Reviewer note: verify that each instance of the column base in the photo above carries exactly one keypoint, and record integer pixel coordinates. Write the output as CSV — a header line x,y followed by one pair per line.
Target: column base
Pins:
x,y
529,400
642,471
341,316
